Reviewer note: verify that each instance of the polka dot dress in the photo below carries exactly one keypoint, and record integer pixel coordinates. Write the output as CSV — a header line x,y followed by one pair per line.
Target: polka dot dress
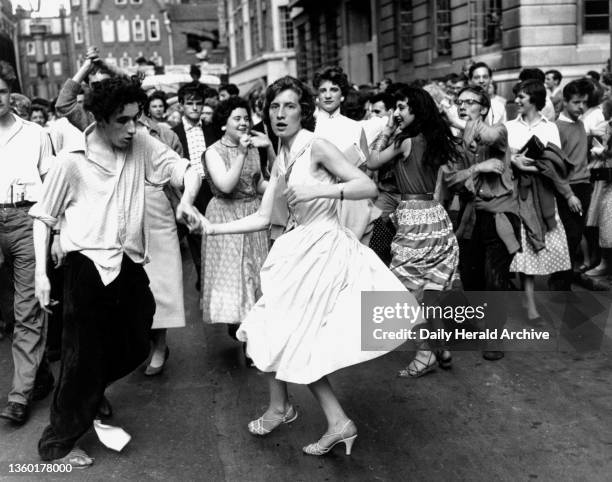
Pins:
x,y
553,258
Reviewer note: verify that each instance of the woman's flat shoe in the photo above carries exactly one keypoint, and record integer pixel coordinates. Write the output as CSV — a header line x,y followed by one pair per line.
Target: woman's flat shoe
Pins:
x,y
258,427
417,367
445,359
329,441
152,371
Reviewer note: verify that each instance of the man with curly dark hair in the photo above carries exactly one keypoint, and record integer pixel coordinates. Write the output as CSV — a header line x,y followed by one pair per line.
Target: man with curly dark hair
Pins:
x,y
99,189
24,153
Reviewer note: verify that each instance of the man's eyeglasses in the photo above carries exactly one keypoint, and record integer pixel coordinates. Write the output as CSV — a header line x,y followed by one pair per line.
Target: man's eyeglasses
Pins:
x,y
470,102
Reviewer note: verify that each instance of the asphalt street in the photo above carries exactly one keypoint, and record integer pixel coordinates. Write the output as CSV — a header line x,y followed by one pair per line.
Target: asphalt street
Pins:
x,y
529,416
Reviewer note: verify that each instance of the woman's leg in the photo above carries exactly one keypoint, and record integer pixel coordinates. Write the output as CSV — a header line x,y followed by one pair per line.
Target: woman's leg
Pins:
x,y
339,426
158,358
279,410
529,286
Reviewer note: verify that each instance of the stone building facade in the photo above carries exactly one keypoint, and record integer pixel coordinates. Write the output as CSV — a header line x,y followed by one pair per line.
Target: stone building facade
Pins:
x,y
407,39
260,40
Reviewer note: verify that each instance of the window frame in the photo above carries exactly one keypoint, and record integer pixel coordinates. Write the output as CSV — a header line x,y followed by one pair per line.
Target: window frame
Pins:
x,y
77,31
150,22
141,22
56,47
583,18
435,31
30,48
113,37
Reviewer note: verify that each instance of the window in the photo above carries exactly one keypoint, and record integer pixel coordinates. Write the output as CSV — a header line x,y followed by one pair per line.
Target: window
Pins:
x,y
30,48
153,26
442,17
120,2
57,68
486,16
136,2
286,28
76,3
55,47
256,44
78,31
32,69
404,30
596,16
46,47
123,29
332,50
138,28
108,30
301,56
239,33
315,42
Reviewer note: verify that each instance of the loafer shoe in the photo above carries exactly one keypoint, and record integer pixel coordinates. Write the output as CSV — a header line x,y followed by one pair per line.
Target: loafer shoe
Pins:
x,y
15,412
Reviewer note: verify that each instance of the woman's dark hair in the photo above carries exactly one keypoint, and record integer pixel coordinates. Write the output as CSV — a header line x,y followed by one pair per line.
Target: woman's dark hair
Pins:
x,y
160,95
305,99
441,145
485,101
595,92
110,95
534,89
353,106
224,110
335,75
40,108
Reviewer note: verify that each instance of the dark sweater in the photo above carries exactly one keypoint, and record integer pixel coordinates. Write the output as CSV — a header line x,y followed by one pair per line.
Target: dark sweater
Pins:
x,y
574,143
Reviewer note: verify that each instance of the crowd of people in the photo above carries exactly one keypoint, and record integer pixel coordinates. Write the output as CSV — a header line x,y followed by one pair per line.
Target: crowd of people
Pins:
x,y
292,201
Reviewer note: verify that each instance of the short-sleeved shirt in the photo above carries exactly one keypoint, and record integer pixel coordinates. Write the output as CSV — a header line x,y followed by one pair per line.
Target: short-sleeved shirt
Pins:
x,y
103,199
342,132
25,157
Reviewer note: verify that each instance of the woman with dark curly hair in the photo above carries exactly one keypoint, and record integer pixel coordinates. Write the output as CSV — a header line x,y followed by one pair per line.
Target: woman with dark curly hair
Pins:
x,y
231,264
425,251
307,323
156,107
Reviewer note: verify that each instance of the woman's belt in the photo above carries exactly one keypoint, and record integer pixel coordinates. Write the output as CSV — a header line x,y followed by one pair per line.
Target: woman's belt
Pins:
x,y
426,196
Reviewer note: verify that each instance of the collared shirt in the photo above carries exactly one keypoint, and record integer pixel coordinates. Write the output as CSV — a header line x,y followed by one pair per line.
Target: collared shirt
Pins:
x,y
519,132
497,112
593,119
196,144
342,132
25,157
103,199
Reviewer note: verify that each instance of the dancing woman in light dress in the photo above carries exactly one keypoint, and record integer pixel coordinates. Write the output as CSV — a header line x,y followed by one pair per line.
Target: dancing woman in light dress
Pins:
x,y
307,324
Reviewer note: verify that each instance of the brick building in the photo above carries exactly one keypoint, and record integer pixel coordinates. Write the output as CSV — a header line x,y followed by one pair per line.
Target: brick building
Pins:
x,y
406,39
260,39
44,72
124,30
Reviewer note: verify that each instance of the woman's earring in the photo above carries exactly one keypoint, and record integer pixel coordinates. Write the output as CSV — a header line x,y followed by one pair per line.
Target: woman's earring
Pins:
x,y
223,128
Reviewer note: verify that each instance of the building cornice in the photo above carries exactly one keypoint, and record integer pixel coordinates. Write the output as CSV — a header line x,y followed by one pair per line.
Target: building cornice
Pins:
x,y
261,59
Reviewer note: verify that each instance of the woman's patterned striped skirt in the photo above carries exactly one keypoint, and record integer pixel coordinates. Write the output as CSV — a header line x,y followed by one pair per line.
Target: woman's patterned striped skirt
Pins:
x,y
425,250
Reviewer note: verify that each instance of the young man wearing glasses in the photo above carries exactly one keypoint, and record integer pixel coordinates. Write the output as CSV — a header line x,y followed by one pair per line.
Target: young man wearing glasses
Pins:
x,y
489,226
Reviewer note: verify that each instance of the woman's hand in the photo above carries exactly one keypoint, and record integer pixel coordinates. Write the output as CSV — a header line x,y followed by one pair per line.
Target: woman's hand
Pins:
x,y
205,226
523,163
244,143
259,139
300,193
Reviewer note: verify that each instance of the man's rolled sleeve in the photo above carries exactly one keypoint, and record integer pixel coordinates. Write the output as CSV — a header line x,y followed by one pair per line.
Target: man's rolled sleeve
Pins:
x,y
165,166
55,194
